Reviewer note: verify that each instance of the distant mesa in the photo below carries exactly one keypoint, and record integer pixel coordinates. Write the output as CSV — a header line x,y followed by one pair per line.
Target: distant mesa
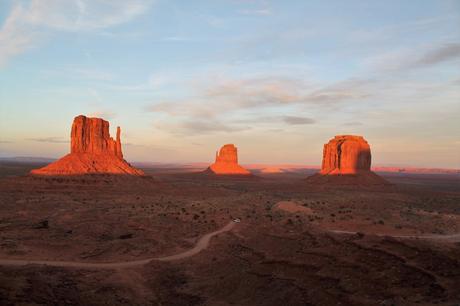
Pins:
x,y
347,160
227,162
92,151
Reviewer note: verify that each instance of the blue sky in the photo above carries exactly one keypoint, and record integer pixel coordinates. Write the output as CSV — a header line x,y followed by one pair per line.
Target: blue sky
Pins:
x,y
277,78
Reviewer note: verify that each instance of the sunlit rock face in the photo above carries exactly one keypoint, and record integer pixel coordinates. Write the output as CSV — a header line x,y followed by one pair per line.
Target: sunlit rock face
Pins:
x,y
92,151
346,154
227,162
347,161
91,135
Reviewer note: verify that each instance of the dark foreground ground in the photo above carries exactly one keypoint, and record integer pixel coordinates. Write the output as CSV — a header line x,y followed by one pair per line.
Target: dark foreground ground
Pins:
x,y
283,252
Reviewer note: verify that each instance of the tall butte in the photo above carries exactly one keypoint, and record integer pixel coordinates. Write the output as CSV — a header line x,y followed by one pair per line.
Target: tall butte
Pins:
x,y
227,162
347,160
92,151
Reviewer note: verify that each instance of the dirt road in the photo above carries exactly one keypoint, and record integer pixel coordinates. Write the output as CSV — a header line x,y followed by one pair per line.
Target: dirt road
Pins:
x,y
201,244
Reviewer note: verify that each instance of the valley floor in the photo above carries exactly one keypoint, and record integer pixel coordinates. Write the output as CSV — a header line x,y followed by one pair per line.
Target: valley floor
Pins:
x,y
295,244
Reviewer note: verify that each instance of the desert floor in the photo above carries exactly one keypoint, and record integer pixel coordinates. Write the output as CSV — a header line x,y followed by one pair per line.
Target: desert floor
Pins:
x,y
295,244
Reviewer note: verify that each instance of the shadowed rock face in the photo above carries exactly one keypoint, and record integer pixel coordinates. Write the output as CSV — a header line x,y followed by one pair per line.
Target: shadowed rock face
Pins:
x,y
346,154
227,162
92,151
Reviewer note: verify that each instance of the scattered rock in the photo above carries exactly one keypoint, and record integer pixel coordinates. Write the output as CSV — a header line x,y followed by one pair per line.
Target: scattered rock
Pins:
x,y
126,236
42,225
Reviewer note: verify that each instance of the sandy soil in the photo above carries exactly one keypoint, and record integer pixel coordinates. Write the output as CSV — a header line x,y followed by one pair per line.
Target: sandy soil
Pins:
x,y
201,244
284,250
293,207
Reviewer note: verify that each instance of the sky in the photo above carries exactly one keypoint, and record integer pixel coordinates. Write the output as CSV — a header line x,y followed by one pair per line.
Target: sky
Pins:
x,y
276,78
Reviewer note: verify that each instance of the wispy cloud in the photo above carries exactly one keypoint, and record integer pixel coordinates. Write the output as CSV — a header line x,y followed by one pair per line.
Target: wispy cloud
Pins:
x,y
177,38
295,120
289,120
80,73
262,8
393,30
92,74
446,52
49,140
130,144
106,115
14,39
198,127
257,12
415,58
354,123
83,15
27,23
227,96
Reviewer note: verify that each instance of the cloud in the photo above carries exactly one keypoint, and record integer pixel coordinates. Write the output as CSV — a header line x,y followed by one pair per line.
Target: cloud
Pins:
x,y
79,73
91,74
49,140
294,120
416,58
84,15
199,127
228,96
365,35
290,120
257,12
355,123
443,53
5,141
256,91
210,126
130,144
347,90
106,115
235,105
26,24
13,38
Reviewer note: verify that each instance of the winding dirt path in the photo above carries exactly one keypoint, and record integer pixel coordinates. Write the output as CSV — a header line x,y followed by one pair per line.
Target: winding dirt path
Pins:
x,y
446,238
201,244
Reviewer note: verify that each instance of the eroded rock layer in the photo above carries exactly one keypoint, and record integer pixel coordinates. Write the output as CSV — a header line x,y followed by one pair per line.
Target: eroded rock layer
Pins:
x,y
346,154
347,161
227,162
92,151
91,135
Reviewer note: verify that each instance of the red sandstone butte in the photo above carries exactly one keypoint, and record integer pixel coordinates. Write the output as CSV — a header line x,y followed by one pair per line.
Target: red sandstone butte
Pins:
x,y
346,154
227,162
347,160
92,151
